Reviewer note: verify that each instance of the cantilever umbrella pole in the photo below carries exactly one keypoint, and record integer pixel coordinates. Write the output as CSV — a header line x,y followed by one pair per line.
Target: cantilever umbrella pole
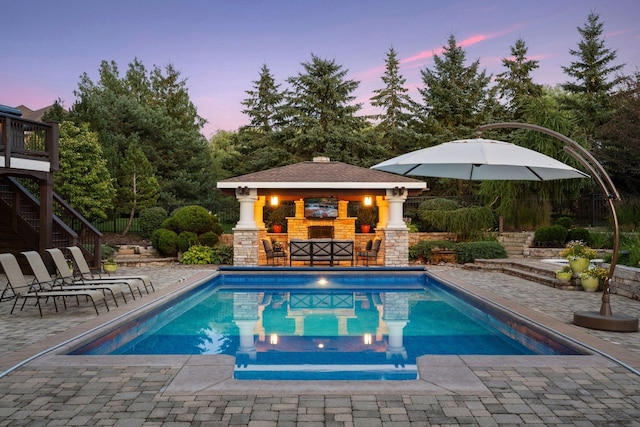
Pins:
x,y
586,159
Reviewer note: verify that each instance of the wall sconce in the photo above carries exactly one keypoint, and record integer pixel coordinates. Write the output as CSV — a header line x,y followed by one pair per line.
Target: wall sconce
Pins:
x,y
368,200
274,200
273,339
367,339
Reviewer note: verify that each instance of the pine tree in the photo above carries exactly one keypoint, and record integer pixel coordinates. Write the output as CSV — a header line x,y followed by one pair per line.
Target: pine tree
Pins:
x,y
457,98
263,102
321,97
154,109
320,114
591,72
393,98
138,187
515,85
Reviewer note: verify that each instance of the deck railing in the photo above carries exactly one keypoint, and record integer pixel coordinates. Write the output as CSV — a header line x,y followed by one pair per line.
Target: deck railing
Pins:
x,y
26,139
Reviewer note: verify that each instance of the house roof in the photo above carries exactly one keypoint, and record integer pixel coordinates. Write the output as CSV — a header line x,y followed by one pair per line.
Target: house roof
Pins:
x,y
29,114
320,176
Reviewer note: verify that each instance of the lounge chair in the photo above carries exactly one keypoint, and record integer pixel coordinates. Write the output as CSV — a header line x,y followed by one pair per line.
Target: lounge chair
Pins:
x,y
370,252
86,273
22,289
65,275
44,279
273,254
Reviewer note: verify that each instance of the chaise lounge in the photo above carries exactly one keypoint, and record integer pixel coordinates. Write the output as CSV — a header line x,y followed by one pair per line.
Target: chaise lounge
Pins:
x,y
21,289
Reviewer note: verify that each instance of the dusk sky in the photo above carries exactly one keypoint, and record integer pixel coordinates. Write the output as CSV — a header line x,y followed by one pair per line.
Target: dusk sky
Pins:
x,y
220,46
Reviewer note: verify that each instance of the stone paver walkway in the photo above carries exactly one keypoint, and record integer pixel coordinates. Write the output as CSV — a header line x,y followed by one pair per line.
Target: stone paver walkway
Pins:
x,y
123,395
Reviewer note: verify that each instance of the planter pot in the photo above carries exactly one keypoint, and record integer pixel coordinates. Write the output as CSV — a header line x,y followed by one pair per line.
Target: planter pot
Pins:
x,y
579,265
590,284
365,228
109,268
277,228
564,276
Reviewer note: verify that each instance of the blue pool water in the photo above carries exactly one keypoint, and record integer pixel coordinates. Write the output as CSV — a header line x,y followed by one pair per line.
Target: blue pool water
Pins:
x,y
326,325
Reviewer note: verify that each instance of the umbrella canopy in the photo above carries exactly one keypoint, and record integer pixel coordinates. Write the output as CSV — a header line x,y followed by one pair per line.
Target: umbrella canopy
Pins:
x,y
480,159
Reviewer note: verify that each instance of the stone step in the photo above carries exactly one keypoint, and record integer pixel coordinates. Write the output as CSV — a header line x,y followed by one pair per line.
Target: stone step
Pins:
x,y
533,271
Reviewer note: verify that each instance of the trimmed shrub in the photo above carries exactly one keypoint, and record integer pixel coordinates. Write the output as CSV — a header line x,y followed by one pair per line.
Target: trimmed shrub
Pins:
x,y
165,241
209,238
564,221
423,248
150,220
553,237
558,235
470,251
186,239
580,234
193,218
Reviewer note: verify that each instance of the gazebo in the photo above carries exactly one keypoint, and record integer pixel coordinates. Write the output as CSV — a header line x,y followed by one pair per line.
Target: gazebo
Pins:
x,y
321,178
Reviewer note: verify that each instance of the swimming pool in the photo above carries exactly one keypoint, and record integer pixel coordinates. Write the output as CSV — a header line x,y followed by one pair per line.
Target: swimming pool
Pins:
x,y
326,324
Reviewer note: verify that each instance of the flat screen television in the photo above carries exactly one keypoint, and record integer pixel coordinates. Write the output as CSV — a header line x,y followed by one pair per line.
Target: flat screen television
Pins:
x,y
321,207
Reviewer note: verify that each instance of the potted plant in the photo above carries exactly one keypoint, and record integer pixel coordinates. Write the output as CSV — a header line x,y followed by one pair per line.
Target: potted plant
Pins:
x,y
366,218
110,266
579,255
277,246
565,274
277,219
591,278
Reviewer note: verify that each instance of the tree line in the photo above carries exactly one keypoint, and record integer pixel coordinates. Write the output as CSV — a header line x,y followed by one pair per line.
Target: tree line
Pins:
x,y
143,140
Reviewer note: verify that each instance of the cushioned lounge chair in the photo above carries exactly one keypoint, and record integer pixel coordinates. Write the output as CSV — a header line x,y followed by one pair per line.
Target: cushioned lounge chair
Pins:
x,y
370,252
43,278
87,273
272,254
23,290
66,277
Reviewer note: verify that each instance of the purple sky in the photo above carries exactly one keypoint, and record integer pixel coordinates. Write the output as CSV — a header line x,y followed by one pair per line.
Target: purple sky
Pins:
x,y
219,46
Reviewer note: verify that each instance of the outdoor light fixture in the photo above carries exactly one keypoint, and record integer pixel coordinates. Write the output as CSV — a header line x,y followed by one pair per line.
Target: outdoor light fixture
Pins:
x,y
367,339
273,339
274,200
368,200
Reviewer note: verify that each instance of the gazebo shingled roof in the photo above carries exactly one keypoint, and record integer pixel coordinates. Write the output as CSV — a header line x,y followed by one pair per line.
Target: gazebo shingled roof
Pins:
x,y
320,176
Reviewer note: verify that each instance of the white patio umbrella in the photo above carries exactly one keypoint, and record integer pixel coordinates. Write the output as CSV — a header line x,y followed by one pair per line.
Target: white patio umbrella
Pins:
x,y
480,159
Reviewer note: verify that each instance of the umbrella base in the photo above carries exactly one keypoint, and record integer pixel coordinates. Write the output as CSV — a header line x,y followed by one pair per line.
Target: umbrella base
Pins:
x,y
595,320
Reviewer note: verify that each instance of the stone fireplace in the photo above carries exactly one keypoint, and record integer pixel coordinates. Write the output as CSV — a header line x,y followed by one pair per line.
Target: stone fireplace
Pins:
x,y
320,231
342,227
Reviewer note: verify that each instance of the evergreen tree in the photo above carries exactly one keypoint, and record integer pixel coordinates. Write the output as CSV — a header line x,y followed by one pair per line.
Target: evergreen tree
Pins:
x,y
263,102
153,108
56,113
83,179
618,147
319,112
591,72
457,98
515,85
393,98
137,185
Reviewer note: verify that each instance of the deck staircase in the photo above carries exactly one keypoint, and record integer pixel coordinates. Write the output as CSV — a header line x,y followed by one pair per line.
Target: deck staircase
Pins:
x,y
21,232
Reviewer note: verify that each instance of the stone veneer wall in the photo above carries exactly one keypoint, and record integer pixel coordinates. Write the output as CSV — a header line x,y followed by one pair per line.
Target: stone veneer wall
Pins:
x,y
626,281
245,248
395,248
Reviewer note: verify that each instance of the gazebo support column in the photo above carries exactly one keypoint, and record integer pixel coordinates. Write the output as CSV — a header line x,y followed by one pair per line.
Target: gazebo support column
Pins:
x,y
245,234
396,233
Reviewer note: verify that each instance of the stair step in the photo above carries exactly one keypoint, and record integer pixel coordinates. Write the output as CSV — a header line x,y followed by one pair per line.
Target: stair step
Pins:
x,y
533,271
